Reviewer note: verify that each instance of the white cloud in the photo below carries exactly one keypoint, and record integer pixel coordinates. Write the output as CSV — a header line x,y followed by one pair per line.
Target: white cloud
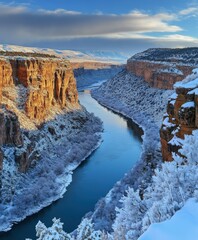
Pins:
x,y
20,22
58,12
188,11
11,10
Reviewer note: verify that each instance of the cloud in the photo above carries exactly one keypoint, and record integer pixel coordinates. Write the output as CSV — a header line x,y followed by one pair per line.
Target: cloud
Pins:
x,y
21,24
58,12
188,11
66,29
11,10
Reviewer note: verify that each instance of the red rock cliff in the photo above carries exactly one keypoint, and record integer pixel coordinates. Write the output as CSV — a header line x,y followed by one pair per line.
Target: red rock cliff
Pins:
x,y
181,117
162,68
159,75
45,83
48,82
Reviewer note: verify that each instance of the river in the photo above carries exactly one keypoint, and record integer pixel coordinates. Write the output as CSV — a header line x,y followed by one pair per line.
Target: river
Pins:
x,y
119,151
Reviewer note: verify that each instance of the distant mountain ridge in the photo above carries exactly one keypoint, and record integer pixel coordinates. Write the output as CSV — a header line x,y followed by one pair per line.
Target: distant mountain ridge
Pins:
x,y
100,56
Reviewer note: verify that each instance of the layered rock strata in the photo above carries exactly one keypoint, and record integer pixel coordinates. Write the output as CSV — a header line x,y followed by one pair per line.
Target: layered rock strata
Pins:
x,y
48,82
181,117
162,68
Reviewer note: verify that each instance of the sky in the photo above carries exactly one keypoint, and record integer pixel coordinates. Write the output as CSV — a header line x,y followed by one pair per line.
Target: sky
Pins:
x,y
125,26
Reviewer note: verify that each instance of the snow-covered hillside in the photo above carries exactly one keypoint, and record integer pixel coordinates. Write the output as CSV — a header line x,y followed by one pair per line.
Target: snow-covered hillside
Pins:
x,y
182,226
101,56
187,56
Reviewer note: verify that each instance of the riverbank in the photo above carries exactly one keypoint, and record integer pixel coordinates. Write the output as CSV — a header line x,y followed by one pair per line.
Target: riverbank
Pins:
x,y
62,144
132,97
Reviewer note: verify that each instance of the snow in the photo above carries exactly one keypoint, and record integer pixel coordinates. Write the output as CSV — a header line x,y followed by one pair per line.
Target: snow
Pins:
x,y
174,96
168,56
188,105
191,81
175,141
172,102
171,70
194,91
168,124
182,226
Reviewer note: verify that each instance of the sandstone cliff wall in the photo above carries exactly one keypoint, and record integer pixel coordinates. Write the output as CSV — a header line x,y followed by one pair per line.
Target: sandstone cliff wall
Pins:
x,y
46,83
181,118
159,75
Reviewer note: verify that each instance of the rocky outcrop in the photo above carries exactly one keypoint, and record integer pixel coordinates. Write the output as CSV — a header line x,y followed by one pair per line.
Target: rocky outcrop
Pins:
x,y
181,117
162,68
10,132
46,83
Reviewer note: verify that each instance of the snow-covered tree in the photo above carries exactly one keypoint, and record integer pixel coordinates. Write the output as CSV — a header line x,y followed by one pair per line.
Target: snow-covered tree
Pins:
x,y
85,231
55,232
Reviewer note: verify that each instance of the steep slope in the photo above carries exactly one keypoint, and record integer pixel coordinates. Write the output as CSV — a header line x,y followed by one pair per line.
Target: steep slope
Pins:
x,y
162,67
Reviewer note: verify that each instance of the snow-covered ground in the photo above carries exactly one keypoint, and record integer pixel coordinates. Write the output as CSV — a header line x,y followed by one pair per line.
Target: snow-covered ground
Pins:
x,y
61,144
182,226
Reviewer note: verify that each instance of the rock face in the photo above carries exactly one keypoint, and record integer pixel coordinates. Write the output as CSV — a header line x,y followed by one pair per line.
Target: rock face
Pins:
x,y
46,83
162,68
181,117
10,133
